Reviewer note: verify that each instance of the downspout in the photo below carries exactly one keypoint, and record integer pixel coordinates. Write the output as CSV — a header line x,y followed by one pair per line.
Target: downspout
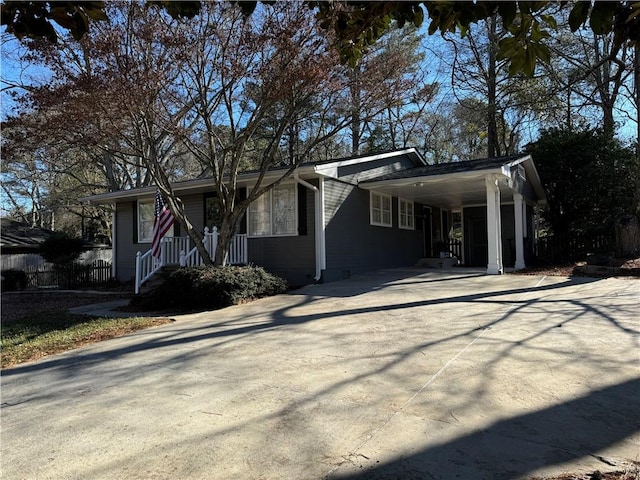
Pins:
x,y
113,242
319,227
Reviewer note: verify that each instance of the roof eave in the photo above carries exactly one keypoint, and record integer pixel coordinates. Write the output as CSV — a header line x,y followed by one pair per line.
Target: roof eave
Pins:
x,y
183,187
368,185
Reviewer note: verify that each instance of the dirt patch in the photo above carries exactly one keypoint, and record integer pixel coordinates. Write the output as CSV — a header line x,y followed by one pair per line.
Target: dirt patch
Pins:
x,y
618,267
632,473
16,305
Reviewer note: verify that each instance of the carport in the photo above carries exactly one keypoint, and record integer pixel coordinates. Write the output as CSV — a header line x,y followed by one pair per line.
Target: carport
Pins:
x,y
488,183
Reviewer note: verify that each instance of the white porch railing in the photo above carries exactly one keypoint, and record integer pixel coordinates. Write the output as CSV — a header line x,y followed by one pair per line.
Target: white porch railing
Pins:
x,y
177,251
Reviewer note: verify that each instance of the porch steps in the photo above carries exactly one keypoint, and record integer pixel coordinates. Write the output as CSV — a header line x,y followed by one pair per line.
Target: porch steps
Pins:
x,y
157,279
437,262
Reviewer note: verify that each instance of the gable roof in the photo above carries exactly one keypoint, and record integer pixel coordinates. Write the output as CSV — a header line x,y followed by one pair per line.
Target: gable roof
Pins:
x,y
452,167
304,170
452,185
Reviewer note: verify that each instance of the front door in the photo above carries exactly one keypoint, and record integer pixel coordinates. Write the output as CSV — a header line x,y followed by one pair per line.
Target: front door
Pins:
x,y
475,235
426,218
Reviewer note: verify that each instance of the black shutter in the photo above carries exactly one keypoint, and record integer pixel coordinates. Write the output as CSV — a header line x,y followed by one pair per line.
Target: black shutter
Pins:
x,y
302,210
134,205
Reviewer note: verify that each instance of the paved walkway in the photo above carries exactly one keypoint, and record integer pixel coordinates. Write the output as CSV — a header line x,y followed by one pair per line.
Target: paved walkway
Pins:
x,y
401,374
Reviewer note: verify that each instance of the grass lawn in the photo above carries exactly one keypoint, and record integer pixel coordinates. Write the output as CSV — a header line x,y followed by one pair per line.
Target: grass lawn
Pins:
x,y
39,334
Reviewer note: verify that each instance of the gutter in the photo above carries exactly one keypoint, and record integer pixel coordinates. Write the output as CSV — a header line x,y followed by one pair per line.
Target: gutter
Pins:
x,y
319,230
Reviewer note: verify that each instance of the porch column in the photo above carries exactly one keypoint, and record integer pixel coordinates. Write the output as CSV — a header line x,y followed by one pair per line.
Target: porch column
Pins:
x,y
518,205
494,227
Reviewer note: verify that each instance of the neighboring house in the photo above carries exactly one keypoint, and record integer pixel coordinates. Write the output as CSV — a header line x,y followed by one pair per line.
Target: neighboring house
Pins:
x,y
337,218
20,246
19,238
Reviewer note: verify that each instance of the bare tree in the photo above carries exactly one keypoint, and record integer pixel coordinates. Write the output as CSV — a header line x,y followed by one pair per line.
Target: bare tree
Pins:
x,y
249,80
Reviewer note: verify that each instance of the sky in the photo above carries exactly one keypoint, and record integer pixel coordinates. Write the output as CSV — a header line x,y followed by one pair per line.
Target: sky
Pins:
x,y
14,70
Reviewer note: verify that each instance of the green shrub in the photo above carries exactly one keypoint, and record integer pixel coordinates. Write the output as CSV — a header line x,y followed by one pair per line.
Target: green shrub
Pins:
x,y
197,288
61,249
13,280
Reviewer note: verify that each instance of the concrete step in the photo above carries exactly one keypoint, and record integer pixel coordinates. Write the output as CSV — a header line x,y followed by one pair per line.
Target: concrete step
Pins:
x,y
437,262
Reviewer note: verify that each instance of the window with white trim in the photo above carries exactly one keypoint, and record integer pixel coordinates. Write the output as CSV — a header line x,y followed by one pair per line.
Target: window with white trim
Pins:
x,y
145,221
380,211
275,213
405,214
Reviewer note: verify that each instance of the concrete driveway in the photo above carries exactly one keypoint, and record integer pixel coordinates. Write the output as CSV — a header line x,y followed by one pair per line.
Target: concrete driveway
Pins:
x,y
400,374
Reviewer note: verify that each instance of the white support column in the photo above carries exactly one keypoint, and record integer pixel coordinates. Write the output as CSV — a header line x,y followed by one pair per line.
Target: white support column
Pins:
x,y
517,205
323,244
494,230
114,242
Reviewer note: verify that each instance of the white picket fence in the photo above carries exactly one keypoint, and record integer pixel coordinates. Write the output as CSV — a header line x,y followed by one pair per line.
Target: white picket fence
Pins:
x,y
178,251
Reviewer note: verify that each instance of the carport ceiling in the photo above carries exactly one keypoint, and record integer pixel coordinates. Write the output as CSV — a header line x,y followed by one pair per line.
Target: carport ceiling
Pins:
x,y
445,191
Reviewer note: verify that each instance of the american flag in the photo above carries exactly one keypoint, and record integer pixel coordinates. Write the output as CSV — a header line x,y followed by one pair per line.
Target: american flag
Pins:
x,y
162,222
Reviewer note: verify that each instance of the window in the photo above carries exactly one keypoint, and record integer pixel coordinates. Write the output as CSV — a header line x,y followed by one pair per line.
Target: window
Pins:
x,y
380,209
405,214
145,221
274,213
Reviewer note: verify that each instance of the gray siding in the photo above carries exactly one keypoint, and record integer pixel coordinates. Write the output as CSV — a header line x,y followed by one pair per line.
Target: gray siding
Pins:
x,y
367,170
126,247
354,246
292,258
126,233
194,208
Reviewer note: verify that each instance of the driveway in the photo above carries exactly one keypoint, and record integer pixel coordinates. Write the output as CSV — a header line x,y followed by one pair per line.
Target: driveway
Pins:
x,y
399,374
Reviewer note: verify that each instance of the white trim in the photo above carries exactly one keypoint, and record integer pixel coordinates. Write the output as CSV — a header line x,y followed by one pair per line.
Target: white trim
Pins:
x,y
494,227
426,179
381,223
412,216
295,213
519,263
322,223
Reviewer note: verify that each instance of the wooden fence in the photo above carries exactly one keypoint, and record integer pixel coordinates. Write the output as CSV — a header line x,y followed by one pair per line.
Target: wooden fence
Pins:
x,y
559,249
70,276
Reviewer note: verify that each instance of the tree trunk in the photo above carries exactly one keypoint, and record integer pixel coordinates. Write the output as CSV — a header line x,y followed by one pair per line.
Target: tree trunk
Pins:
x,y
492,128
628,237
228,228
355,90
636,83
175,205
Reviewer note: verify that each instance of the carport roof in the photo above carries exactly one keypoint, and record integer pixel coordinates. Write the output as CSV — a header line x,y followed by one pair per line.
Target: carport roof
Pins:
x,y
456,184
451,167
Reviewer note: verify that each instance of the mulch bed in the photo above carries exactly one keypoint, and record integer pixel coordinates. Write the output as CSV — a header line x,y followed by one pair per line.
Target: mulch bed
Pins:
x,y
618,267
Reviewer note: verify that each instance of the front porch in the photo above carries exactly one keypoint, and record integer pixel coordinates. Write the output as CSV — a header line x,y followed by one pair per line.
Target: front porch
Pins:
x,y
179,251
493,199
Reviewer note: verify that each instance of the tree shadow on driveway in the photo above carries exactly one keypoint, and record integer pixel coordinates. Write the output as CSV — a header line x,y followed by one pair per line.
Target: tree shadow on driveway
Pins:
x,y
282,317
515,447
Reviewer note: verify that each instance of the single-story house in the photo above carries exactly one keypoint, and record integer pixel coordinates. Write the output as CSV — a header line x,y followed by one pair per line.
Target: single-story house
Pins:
x,y
336,218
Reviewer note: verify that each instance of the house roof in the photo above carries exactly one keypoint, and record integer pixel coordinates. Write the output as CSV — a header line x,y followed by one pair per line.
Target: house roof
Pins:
x,y
18,237
446,185
455,184
450,167
305,170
